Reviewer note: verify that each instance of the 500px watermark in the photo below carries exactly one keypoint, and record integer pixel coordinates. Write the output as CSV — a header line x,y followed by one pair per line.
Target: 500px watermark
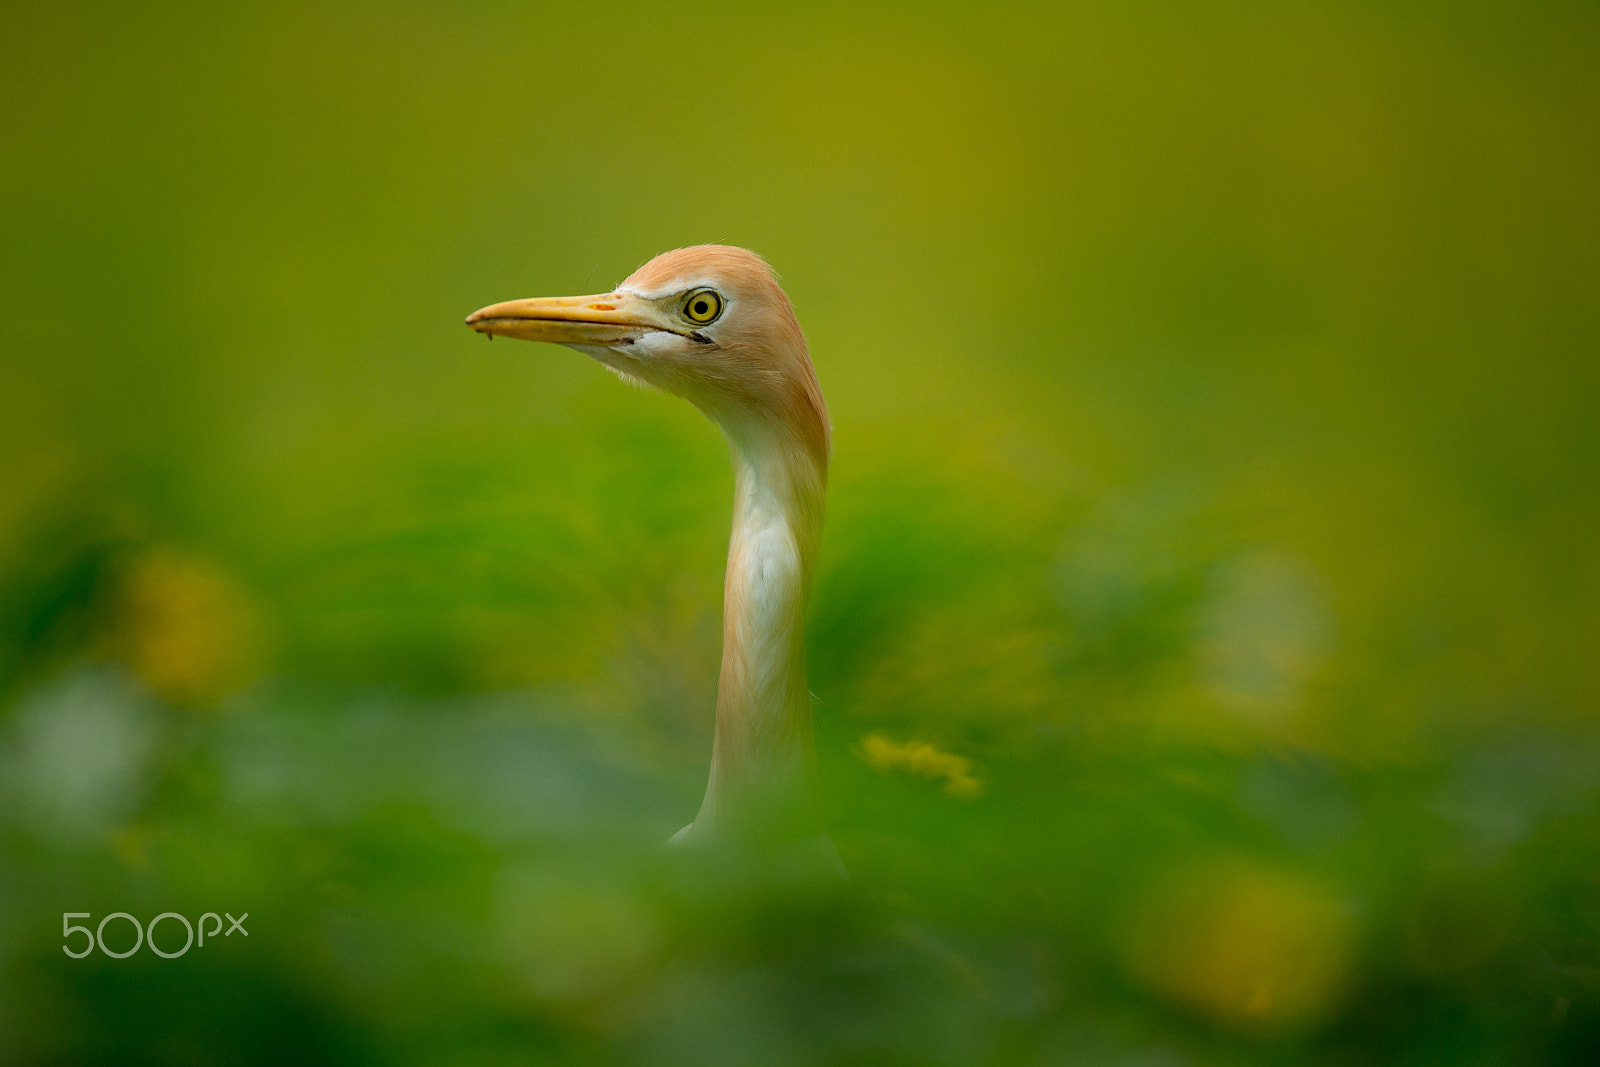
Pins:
x,y
144,934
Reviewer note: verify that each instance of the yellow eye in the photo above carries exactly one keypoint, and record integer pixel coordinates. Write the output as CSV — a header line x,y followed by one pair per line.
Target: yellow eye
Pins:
x,y
702,307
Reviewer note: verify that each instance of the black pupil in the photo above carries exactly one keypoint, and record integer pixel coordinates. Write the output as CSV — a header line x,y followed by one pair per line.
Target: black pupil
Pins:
x,y
701,307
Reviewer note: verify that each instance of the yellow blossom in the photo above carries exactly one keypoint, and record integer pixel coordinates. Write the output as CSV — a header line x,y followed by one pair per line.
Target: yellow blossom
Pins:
x,y
922,759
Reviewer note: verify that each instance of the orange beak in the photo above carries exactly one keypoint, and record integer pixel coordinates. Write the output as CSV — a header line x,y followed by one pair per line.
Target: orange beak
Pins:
x,y
607,319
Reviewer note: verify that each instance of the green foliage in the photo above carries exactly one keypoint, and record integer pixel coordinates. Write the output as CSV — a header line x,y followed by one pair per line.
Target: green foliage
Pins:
x,y
1203,639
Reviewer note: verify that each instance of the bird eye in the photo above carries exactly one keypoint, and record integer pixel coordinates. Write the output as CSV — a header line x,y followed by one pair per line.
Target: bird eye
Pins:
x,y
702,307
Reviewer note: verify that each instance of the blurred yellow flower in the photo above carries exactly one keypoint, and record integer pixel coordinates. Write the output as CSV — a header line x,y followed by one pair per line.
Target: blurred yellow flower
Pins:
x,y
186,627
1243,943
921,758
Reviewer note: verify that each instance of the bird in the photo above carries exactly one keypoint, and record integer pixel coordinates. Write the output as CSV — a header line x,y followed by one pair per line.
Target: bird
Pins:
x,y
712,325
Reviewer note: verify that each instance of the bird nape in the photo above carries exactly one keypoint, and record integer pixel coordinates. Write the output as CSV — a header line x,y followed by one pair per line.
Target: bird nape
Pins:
x,y
711,325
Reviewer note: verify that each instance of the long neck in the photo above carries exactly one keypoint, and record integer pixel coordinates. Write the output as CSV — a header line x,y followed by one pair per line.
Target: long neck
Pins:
x,y
762,760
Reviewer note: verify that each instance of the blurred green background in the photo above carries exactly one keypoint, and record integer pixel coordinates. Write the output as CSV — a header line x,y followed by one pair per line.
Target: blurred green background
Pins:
x,y
1205,640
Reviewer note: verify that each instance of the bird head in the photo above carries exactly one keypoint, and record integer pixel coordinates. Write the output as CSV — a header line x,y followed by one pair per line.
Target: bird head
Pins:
x,y
708,323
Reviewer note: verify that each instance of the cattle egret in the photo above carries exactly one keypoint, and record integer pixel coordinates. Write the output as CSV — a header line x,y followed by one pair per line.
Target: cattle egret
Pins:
x,y
711,325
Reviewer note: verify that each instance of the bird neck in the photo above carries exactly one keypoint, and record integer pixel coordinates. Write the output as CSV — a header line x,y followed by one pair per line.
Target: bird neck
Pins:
x,y
763,761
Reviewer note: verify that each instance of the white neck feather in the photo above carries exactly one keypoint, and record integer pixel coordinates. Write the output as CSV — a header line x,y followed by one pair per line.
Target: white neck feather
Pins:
x,y
763,754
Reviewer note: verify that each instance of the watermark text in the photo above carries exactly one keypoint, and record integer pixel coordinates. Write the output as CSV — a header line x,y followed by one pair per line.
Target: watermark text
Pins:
x,y
145,935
